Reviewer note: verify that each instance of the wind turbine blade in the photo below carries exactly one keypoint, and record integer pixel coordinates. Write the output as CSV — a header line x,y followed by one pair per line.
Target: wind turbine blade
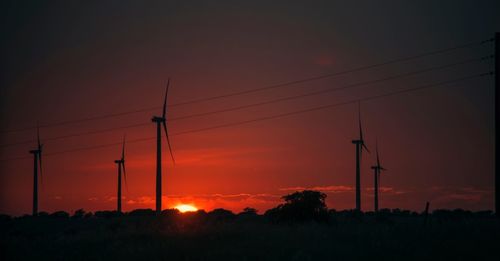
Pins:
x,y
168,142
378,181
40,165
124,175
360,155
123,148
39,154
376,151
364,146
360,128
38,135
165,101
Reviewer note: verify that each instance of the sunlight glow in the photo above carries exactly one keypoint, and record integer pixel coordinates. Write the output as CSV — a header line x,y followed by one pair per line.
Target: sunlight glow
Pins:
x,y
183,208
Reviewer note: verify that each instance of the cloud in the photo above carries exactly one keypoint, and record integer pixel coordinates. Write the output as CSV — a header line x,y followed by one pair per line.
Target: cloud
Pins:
x,y
447,195
143,200
324,189
388,191
111,198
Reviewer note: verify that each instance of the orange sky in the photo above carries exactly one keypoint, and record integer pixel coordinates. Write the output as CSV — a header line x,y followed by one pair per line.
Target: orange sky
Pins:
x,y
65,62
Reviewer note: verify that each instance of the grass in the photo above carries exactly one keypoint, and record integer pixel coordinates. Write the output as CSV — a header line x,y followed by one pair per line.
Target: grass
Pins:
x,y
194,237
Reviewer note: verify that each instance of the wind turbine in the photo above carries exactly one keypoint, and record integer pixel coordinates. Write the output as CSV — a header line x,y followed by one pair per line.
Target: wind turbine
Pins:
x,y
161,121
360,145
121,164
377,169
37,155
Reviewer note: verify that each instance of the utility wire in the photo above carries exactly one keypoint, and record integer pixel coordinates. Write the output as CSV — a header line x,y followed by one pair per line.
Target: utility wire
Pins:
x,y
327,90
358,69
274,86
427,86
77,134
337,104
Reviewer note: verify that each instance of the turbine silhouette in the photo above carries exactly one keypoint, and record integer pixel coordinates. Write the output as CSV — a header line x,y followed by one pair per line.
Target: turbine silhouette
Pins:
x,y
377,169
37,155
161,121
360,145
121,165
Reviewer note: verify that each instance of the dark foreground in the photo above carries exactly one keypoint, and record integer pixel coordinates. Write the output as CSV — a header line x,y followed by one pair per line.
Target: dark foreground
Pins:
x,y
222,236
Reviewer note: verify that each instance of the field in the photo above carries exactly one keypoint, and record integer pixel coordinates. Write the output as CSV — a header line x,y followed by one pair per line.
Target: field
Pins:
x,y
208,236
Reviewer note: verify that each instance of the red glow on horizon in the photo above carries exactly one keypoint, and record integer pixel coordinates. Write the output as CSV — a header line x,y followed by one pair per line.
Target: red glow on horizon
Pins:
x,y
183,208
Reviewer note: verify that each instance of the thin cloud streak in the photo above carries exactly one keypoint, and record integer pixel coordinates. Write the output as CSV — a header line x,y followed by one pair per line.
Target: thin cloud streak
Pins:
x,y
325,189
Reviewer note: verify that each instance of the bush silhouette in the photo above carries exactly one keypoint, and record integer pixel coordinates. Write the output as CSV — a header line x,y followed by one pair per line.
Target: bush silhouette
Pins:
x,y
107,214
5,218
170,212
141,212
59,214
220,214
248,212
80,213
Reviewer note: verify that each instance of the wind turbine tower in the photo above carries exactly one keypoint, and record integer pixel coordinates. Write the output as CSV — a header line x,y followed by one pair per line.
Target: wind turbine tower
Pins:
x,y
360,146
121,165
37,163
159,122
377,169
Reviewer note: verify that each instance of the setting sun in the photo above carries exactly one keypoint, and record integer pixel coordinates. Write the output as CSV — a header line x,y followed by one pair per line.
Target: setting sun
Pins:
x,y
186,208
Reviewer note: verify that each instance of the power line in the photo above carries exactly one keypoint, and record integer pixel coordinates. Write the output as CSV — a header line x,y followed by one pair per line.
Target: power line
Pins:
x,y
358,69
99,146
327,90
77,134
337,104
274,86
277,115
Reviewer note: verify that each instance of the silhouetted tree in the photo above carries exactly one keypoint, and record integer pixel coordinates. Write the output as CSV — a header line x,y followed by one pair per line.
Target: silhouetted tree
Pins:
x,y
400,212
80,213
59,214
43,214
249,211
201,212
221,214
5,218
170,212
107,214
88,215
307,205
248,215
141,212
169,216
484,214
385,211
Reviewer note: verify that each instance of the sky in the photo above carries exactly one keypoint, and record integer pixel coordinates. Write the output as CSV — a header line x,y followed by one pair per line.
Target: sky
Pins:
x,y
65,61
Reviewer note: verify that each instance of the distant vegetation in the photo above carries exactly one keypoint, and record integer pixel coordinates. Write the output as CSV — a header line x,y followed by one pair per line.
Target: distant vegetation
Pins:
x,y
300,207
301,228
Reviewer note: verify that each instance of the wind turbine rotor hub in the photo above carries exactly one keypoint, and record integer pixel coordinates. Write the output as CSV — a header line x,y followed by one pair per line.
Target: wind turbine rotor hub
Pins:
x,y
158,119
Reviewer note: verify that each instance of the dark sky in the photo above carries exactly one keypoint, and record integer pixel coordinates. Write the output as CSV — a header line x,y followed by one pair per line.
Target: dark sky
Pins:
x,y
63,60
